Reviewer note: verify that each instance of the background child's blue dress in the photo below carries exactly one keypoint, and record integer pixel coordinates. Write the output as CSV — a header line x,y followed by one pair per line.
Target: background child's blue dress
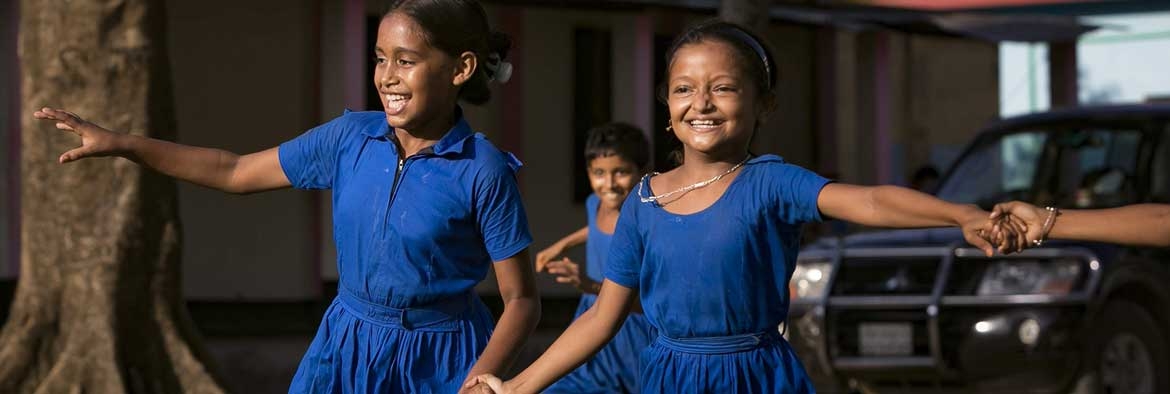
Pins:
x,y
413,238
615,368
715,283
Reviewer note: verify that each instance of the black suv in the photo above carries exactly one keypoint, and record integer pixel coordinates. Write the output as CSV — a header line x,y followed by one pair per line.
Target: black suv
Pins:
x,y
921,310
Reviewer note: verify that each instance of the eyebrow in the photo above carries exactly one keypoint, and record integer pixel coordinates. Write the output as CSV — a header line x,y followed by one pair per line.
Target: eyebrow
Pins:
x,y
378,49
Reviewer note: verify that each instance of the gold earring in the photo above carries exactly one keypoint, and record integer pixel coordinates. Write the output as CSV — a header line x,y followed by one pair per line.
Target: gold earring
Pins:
x,y
669,126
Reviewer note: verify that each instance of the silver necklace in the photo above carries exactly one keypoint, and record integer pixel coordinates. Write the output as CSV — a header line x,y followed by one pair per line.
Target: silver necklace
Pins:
x,y
687,188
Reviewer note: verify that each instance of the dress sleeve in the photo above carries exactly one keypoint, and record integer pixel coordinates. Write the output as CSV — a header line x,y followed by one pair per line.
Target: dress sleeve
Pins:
x,y
797,190
624,263
309,161
500,213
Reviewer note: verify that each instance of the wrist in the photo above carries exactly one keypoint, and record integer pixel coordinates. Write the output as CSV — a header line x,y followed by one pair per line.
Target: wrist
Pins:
x,y
124,144
969,212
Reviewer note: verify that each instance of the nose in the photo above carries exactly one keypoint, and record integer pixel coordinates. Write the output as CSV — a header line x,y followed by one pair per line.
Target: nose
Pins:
x,y
703,101
389,75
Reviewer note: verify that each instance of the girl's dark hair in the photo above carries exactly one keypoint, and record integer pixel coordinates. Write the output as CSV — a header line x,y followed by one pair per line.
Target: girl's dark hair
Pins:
x,y
618,139
457,26
754,55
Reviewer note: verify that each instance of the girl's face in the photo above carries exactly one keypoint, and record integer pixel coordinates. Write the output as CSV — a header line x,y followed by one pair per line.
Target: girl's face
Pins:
x,y
417,83
612,178
712,101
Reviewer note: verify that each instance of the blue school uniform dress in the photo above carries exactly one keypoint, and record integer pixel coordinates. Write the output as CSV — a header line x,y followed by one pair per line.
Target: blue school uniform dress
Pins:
x,y
715,283
614,369
414,235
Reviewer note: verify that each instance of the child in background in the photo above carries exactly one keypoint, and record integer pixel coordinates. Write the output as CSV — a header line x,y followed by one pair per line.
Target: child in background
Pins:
x,y
617,155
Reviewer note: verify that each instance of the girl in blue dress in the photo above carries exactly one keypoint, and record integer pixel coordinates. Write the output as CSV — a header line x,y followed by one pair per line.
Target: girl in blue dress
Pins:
x,y
422,207
711,245
616,153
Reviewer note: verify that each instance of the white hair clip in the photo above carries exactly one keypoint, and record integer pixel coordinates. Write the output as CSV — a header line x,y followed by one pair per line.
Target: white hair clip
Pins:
x,y
499,70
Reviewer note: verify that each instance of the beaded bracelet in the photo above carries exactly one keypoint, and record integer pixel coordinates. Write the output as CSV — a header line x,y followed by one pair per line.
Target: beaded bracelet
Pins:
x,y
1053,212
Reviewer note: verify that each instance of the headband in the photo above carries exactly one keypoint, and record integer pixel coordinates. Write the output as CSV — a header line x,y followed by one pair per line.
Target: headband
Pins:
x,y
755,44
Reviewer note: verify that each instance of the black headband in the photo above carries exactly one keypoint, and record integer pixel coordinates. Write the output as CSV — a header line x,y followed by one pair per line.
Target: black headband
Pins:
x,y
755,44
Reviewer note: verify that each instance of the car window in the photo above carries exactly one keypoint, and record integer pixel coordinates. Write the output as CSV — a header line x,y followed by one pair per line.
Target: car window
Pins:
x,y
1160,169
1002,170
1096,167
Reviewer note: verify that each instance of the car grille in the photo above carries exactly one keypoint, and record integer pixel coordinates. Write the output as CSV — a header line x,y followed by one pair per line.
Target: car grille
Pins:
x,y
886,276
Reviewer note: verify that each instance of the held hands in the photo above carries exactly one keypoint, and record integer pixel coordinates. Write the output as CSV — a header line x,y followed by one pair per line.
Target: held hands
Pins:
x,y
1030,217
95,140
991,233
488,383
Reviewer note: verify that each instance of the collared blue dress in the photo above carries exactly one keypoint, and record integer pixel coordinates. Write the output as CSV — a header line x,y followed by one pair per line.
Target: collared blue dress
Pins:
x,y
614,369
414,236
715,283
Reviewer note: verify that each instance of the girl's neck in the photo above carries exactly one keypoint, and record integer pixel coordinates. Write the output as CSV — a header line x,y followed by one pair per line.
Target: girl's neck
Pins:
x,y
700,165
419,138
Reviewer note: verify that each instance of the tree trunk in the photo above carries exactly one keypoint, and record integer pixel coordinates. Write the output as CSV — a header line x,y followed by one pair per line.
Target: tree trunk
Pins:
x,y
752,14
98,307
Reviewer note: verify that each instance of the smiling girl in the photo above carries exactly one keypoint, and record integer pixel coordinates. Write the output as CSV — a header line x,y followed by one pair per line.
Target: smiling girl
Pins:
x,y
422,207
711,245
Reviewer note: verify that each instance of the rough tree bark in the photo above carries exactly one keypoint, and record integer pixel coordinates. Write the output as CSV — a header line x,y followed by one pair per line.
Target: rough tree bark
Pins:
x,y
752,14
98,307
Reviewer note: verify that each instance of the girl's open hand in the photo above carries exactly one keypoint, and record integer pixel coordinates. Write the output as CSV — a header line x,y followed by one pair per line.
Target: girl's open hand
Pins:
x,y
95,140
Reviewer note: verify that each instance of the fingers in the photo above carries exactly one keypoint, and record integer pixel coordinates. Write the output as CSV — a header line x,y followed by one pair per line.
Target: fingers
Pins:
x,y
73,155
493,383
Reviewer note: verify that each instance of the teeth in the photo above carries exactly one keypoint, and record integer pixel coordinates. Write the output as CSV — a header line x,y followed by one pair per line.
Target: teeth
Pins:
x,y
395,97
703,122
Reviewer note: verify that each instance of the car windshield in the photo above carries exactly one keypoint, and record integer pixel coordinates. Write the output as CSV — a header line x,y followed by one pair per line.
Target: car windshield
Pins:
x,y
1002,170
1089,168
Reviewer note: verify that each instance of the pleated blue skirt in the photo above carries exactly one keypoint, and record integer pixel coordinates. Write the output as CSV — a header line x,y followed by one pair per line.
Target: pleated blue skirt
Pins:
x,y
366,348
615,368
759,363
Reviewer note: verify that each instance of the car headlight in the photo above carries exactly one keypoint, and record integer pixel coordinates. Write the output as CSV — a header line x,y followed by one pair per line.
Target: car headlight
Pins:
x,y
809,279
1007,277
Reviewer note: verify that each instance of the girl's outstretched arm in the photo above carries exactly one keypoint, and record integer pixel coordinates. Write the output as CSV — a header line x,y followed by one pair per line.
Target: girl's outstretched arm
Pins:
x,y
892,206
584,338
1140,224
521,313
214,168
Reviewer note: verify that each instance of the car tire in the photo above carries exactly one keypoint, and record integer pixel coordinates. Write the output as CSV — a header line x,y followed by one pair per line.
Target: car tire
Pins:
x,y
1127,353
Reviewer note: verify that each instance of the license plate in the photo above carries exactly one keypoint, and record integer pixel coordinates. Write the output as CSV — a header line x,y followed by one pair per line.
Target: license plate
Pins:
x,y
886,339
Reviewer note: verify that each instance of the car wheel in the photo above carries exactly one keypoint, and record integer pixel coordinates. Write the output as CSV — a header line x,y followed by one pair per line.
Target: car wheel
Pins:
x,y
1128,352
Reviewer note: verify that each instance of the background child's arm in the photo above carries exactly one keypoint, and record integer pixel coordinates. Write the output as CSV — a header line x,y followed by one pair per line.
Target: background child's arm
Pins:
x,y
587,335
552,252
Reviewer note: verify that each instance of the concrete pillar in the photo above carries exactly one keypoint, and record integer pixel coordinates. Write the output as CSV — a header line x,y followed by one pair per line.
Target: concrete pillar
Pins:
x,y
1062,74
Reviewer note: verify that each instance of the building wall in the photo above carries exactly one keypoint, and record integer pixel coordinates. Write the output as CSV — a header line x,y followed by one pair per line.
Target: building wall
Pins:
x,y
9,139
245,80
